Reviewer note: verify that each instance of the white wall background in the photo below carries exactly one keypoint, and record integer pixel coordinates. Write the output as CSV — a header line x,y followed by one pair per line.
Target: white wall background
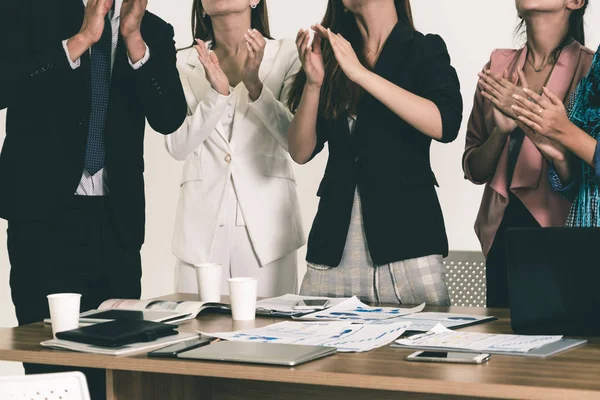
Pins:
x,y
471,28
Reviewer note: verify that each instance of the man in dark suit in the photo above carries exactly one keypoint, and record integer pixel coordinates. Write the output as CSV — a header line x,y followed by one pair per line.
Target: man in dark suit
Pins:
x,y
79,79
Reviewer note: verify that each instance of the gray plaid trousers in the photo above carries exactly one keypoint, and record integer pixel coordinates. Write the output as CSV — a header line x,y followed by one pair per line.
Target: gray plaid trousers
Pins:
x,y
414,281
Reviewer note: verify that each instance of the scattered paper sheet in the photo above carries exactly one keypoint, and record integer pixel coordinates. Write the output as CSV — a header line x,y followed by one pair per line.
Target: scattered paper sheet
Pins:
x,y
286,303
367,337
356,311
345,336
443,338
426,321
191,308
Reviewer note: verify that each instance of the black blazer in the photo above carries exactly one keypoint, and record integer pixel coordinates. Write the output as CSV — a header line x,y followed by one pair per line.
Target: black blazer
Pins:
x,y
48,106
388,160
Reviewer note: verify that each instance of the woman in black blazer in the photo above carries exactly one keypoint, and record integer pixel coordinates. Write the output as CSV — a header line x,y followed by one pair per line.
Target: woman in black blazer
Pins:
x,y
377,92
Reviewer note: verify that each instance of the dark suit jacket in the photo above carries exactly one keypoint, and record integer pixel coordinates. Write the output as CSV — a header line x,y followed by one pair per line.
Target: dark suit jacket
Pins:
x,y
388,160
48,107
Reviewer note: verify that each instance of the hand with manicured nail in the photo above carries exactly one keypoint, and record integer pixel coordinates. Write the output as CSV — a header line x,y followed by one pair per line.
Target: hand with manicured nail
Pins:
x,y
344,53
212,69
498,89
311,57
545,115
544,120
255,44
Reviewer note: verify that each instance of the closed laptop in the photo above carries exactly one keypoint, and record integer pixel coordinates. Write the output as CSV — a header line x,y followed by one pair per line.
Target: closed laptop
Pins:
x,y
554,280
259,353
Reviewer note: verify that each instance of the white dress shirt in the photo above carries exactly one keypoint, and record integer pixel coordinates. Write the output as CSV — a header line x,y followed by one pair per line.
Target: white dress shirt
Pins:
x,y
96,185
351,123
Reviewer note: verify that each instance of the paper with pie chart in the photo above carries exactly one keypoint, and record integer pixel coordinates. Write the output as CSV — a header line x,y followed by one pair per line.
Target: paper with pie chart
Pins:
x,y
443,338
343,335
356,311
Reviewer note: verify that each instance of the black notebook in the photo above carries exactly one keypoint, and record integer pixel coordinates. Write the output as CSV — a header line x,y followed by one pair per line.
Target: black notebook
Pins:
x,y
118,333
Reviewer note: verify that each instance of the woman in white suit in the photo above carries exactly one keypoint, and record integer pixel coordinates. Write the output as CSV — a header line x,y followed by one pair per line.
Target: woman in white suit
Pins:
x,y
238,204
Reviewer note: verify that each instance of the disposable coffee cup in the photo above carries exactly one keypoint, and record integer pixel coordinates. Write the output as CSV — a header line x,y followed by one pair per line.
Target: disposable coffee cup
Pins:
x,y
243,325
64,311
209,277
243,292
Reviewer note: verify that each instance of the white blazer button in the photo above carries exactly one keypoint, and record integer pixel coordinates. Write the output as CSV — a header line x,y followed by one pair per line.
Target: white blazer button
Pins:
x,y
228,158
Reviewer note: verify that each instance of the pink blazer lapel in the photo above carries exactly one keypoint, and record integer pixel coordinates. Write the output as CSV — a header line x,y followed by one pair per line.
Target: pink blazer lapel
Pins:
x,y
530,164
500,182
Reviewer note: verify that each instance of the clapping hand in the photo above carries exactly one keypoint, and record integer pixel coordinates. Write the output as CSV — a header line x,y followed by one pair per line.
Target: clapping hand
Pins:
x,y
311,58
344,53
499,90
255,43
132,12
93,20
545,115
544,120
214,74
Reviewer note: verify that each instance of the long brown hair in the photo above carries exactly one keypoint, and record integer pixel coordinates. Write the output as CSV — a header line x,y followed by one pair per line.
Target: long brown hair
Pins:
x,y
576,29
202,24
338,93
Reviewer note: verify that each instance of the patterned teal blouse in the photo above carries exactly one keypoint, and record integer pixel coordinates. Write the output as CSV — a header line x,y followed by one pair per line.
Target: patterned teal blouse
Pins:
x,y
584,112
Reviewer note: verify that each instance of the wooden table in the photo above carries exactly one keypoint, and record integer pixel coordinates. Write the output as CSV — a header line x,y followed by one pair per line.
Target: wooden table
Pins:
x,y
379,374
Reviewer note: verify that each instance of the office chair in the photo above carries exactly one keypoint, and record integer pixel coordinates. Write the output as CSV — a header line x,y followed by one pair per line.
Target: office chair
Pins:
x,y
465,274
59,386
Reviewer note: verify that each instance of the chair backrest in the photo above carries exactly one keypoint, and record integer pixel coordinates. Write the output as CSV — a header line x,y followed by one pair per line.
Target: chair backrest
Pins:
x,y
59,386
465,274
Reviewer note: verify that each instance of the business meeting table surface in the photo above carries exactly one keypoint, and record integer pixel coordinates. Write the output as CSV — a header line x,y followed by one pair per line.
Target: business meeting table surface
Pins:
x,y
379,374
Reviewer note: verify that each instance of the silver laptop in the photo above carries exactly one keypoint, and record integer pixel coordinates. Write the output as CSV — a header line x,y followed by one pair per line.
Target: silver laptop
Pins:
x,y
259,353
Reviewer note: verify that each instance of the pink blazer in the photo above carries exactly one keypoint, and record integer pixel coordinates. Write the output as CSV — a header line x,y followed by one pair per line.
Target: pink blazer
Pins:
x,y
530,180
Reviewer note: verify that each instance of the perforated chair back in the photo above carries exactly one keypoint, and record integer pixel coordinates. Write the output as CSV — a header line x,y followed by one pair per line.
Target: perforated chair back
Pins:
x,y
465,273
59,386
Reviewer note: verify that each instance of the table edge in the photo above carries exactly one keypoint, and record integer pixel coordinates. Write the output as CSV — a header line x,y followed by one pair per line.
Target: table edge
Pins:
x,y
294,376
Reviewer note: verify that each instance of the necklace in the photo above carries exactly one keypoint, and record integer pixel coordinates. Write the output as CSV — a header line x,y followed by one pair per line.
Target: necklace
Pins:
x,y
541,68
538,70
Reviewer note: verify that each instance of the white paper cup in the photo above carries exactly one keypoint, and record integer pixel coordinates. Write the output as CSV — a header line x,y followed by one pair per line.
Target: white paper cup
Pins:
x,y
243,325
209,282
243,292
64,311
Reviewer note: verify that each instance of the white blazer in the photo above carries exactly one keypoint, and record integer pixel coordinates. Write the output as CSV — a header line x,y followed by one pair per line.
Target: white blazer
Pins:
x,y
256,159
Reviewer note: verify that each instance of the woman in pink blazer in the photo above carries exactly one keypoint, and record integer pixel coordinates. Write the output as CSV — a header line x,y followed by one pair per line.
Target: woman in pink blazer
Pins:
x,y
505,155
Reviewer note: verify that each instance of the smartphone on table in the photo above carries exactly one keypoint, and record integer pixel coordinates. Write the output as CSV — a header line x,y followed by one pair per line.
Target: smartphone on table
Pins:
x,y
448,357
171,351
312,304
